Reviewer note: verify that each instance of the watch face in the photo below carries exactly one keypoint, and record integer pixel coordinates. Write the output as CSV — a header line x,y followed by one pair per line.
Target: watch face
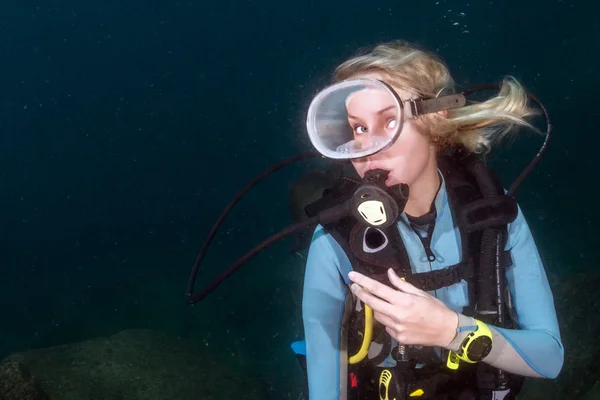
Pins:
x,y
479,348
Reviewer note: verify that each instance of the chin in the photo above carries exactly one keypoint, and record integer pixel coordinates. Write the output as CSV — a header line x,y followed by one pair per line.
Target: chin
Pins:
x,y
395,180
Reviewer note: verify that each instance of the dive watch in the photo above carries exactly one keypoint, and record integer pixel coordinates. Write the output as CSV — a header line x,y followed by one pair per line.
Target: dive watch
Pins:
x,y
474,348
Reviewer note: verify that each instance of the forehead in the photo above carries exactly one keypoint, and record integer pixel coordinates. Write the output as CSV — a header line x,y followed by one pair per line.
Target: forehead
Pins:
x,y
370,99
404,94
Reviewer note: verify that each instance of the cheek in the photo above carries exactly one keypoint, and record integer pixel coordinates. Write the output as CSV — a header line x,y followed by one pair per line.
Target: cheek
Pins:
x,y
404,170
409,160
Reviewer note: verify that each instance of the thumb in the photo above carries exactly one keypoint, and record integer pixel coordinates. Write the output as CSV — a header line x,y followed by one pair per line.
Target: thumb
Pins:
x,y
402,285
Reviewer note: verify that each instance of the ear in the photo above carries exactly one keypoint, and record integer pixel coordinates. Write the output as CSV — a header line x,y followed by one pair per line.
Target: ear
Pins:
x,y
443,113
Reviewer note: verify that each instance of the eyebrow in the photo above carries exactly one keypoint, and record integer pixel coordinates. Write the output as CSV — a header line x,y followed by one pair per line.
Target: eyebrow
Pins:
x,y
378,112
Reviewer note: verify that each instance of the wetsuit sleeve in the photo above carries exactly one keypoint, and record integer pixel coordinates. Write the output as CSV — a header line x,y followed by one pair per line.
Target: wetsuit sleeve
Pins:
x,y
535,349
323,302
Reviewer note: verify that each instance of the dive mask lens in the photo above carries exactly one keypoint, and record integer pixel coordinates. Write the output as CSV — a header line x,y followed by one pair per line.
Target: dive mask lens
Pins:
x,y
354,118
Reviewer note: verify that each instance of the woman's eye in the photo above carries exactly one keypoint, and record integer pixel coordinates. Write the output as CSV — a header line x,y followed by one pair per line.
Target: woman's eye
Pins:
x,y
392,123
359,129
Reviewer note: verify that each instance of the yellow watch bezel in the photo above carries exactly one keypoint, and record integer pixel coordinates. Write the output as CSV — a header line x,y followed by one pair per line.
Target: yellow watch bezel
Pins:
x,y
482,331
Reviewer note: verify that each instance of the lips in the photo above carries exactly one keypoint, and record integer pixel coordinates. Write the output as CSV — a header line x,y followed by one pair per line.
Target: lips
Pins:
x,y
371,167
378,166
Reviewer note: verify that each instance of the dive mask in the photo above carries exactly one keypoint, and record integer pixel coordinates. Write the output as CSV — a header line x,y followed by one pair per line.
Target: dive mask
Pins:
x,y
359,117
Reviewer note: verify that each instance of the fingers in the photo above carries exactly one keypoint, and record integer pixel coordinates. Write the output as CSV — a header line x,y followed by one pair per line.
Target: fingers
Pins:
x,y
387,321
378,289
377,304
404,286
394,334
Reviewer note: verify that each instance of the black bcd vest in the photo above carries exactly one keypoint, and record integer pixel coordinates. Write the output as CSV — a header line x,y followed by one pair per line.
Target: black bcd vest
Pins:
x,y
480,209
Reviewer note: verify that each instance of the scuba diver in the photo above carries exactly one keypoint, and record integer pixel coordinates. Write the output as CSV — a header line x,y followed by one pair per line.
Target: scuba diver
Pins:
x,y
422,277
440,292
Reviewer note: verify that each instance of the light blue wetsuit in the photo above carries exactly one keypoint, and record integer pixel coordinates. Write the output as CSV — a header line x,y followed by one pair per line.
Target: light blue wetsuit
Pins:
x,y
534,350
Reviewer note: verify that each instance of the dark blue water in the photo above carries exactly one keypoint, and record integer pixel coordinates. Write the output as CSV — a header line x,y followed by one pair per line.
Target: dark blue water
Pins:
x,y
125,128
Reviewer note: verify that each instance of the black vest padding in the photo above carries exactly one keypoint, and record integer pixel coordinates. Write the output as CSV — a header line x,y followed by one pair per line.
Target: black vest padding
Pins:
x,y
471,213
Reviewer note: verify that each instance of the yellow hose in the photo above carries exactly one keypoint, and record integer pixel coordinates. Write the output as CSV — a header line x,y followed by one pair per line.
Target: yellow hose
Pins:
x,y
364,348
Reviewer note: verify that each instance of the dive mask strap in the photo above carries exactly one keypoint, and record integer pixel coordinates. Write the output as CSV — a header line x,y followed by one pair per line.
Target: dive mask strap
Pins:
x,y
415,108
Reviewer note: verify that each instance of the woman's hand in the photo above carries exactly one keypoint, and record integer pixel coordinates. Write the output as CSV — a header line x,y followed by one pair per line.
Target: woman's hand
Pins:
x,y
410,315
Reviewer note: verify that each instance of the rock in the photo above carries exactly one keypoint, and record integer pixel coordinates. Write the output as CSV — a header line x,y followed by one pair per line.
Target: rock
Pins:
x,y
135,364
17,383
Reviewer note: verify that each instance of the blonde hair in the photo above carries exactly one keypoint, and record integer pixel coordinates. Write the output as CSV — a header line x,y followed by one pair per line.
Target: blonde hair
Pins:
x,y
477,126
